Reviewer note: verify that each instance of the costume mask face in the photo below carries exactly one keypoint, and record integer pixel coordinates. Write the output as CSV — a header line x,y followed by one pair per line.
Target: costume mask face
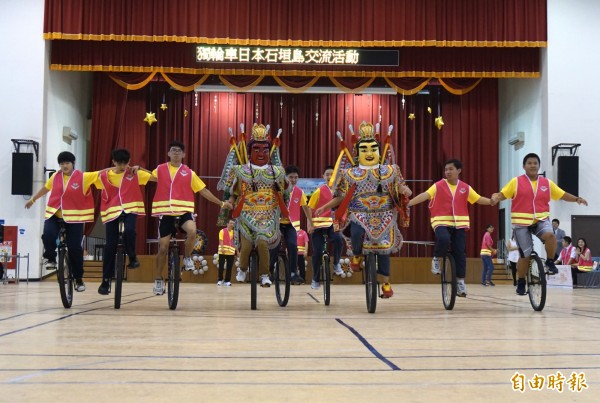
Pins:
x,y
259,153
368,153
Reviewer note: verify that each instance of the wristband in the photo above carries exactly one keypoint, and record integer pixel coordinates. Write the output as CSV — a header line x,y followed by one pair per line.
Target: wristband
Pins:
x,y
222,204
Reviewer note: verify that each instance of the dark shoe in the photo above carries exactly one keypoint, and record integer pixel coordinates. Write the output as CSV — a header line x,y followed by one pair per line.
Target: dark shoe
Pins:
x,y
133,264
79,285
297,280
551,267
491,284
104,288
484,284
521,287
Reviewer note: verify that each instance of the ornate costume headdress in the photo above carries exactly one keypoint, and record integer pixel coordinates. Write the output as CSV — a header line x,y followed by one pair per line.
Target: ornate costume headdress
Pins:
x,y
260,133
366,131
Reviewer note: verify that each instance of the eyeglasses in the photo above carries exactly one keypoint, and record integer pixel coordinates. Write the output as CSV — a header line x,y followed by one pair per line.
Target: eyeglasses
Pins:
x,y
176,150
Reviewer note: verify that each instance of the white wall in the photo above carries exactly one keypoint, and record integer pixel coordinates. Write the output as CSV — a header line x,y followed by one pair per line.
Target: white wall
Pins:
x,y
36,104
560,107
573,102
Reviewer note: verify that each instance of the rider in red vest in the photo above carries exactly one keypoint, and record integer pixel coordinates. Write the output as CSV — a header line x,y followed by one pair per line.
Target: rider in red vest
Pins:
x,y
450,218
226,252
70,201
296,202
322,224
121,194
174,197
530,211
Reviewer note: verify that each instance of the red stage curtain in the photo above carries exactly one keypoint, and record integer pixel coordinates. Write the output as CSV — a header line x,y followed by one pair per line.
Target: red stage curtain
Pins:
x,y
201,121
364,23
180,58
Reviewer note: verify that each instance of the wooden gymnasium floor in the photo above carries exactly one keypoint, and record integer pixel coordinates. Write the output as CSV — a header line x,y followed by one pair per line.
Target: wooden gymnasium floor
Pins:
x,y
213,348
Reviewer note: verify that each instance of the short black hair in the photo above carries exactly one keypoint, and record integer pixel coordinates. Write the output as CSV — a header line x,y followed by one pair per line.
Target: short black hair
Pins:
x,y
457,164
487,227
292,169
567,238
176,143
66,156
328,167
531,155
556,220
121,155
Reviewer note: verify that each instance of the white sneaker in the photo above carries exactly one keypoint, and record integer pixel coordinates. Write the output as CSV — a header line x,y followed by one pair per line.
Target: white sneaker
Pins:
x,y
219,283
338,271
159,288
461,289
241,275
435,265
227,284
314,285
265,281
189,263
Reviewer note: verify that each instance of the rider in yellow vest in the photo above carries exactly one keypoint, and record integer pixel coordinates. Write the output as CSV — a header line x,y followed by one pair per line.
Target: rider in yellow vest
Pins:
x,y
530,210
70,201
121,195
174,197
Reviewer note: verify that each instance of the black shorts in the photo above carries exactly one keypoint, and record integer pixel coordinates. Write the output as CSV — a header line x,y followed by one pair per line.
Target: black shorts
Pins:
x,y
166,225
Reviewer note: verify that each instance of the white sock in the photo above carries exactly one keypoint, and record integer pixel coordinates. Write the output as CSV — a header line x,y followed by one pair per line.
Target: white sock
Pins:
x,y
460,280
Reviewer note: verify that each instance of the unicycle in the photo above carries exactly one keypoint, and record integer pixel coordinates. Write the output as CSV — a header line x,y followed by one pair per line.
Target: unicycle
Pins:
x,y
325,276
65,276
174,270
448,279
282,278
253,271
120,263
370,280
536,282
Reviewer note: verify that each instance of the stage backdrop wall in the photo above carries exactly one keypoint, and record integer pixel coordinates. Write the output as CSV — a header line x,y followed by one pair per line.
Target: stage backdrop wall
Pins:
x,y
309,123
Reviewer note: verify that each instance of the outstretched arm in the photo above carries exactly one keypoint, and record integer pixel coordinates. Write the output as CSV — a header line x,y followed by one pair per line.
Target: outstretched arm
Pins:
x,y
207,194
329,205
497,198
485,201
575,199
36,196
419,199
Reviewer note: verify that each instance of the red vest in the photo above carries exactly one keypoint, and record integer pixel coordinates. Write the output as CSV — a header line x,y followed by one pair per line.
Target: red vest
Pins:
x,y
126,197
565,254
302,242
486,245
294,207
76,206
447,209
527,206
324,220
173,196
585,265
227,248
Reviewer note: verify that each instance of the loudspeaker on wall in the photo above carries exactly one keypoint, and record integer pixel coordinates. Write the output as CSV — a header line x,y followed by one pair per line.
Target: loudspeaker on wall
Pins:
x,y
568,174
22,174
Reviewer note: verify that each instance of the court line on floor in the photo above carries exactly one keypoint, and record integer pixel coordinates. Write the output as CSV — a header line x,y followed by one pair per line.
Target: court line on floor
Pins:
x,y
368,345
65,317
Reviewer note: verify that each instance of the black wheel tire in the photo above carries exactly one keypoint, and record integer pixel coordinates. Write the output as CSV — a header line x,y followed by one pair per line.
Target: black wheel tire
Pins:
x,y
536,283
326,280
253,271
65,279
282,278
119,274
173,280
448,280
371,286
